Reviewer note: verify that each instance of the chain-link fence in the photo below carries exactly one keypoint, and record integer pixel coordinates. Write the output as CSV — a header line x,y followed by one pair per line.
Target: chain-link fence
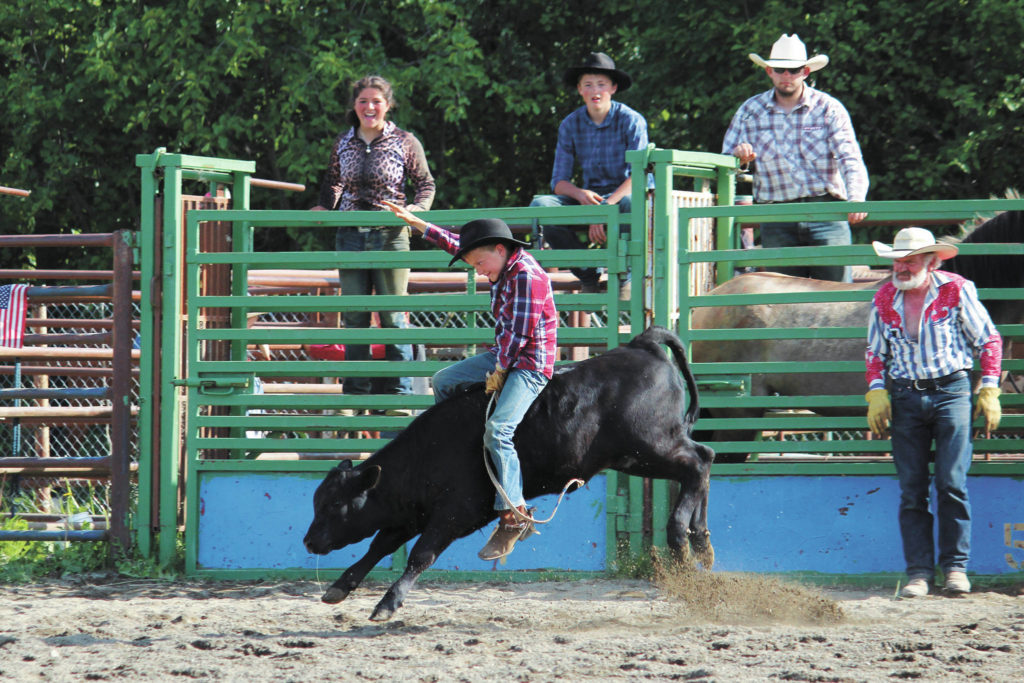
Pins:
x,y
425,319
81,437
26,494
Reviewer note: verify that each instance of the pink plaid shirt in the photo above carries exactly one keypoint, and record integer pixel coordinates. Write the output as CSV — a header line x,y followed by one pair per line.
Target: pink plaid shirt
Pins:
x,y
525,330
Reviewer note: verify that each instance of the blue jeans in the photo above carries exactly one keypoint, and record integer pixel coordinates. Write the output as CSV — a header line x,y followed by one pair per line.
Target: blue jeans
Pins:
x,y
942,414
364,282
516,397
563,237
809,235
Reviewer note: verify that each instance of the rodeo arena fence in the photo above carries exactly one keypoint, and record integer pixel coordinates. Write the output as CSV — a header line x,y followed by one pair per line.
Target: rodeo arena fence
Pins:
x,y
241,403
69,396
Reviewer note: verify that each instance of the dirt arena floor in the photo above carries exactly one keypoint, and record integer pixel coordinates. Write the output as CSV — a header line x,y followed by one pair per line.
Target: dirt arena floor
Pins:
x,y
712,627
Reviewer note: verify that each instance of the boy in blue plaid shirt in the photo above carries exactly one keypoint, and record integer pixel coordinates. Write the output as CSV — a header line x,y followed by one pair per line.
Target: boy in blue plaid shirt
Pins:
x,y
596,137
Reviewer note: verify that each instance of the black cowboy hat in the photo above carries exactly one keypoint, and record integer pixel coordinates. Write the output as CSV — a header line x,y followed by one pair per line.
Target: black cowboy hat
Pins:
x,y
598,63
482,231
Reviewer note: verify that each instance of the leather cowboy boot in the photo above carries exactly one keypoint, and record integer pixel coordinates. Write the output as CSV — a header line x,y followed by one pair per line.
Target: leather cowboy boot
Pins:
x,y
505,536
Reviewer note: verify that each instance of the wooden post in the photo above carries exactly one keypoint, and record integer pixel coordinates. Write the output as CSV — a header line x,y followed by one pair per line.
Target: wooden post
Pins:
x,y
43,382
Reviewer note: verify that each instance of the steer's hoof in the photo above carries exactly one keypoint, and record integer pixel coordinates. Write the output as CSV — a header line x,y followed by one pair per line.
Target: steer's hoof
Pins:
x,y
706,556
382,613
334,595
703,551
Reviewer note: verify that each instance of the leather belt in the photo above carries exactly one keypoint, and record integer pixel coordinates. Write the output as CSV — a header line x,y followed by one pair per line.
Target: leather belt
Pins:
x,y
930,384
818,198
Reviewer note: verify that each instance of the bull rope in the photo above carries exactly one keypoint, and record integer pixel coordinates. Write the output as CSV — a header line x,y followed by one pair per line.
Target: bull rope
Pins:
x,y
520,516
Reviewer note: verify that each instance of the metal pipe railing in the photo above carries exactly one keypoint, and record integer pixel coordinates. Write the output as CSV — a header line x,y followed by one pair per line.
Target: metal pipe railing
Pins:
x,y
70,535
55,274
117,466
96,239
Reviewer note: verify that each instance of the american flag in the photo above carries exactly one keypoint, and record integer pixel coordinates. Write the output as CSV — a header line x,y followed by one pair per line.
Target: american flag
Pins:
x,y
12,315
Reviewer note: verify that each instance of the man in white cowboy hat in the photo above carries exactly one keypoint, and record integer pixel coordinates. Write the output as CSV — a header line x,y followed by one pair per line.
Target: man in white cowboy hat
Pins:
x,y
595,137
926,326
804,148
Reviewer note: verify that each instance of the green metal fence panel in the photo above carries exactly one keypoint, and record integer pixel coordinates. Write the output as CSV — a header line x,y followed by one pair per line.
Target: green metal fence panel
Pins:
x,y
226,416
161,354
148,389
662,239
214,407
246,432
204,391
727,384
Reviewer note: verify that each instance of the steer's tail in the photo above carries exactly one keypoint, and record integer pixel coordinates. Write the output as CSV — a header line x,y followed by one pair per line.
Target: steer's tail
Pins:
x,y
661,335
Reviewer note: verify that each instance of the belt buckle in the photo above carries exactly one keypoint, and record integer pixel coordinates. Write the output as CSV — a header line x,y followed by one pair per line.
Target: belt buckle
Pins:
x,y
917,386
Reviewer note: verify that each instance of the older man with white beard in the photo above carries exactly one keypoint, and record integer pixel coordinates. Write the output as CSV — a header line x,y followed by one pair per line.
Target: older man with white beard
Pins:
x,y
926,326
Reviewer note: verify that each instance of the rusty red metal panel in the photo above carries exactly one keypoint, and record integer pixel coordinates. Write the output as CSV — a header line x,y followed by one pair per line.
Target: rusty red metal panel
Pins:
x,y
214,280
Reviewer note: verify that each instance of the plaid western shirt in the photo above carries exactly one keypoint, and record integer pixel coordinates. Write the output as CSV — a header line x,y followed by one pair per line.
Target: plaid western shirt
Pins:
x,y
525,330
808,152
954,325
600,150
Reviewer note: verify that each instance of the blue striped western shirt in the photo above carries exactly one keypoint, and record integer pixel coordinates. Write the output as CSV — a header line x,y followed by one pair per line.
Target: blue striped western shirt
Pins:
x,y
600,150
954,327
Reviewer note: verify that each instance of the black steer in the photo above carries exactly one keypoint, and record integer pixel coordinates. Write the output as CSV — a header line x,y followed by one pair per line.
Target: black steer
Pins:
x,y
622,410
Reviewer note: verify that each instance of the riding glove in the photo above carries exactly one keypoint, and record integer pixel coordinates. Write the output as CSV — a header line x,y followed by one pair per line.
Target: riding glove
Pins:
x,y
879,410
988,403
495,380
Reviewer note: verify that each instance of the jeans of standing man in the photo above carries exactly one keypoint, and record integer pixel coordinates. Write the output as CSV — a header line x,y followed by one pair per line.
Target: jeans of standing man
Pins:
x,y
942,414
809,234
384,281
516,397
562,237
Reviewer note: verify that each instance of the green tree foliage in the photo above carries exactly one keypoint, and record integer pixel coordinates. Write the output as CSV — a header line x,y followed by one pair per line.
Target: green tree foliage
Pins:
x,y
933,86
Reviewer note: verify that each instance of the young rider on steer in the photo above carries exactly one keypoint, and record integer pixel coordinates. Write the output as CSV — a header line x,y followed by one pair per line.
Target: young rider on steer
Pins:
x,y
519,364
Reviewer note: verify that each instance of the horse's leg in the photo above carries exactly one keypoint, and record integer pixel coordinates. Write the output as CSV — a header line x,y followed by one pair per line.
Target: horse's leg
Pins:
x,y
383,544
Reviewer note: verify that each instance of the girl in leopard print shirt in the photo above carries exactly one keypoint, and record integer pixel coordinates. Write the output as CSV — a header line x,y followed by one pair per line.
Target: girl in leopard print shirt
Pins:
x,y
372,162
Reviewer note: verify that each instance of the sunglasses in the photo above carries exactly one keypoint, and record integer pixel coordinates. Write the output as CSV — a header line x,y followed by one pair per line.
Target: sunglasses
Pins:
x,y
796,71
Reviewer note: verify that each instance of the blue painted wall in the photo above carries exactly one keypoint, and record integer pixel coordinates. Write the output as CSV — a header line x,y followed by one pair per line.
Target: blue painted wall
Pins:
x,y
844,525
257,521
833,525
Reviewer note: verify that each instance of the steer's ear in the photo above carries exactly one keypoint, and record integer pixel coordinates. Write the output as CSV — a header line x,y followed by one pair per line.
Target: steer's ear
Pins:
x,y
368,477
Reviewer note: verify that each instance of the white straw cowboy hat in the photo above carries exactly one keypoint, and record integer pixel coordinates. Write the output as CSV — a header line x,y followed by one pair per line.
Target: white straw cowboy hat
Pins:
x,y
789,52
910,241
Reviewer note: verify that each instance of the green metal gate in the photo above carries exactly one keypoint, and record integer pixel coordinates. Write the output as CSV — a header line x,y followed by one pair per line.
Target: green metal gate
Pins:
x,y
727,385
206,416
207,402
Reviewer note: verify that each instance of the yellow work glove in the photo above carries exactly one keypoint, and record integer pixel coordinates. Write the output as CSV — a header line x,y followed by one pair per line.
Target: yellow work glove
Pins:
x,y
495,380
879,410
988,403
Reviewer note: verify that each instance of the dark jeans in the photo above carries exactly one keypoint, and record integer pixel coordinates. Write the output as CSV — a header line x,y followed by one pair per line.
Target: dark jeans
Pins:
x,y
563,237
942,414
384,281
809,234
